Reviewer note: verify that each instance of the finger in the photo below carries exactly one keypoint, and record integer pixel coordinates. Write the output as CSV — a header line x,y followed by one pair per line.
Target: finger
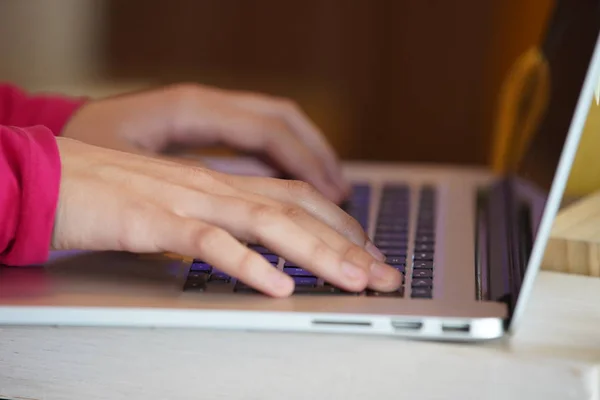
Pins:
x,y
271,191
314,138
277,191
272,227
274,139
248,130
301,125
381,276
303,195
189,202
194,238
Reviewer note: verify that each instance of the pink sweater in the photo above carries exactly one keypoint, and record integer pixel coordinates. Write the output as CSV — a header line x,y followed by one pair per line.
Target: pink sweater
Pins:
x,y
29,172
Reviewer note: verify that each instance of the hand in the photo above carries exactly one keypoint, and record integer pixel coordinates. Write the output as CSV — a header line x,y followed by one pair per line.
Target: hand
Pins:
x,y
193,115
110,200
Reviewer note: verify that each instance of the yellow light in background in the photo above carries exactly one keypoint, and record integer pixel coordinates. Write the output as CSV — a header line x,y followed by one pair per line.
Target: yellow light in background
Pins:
x,y
585,174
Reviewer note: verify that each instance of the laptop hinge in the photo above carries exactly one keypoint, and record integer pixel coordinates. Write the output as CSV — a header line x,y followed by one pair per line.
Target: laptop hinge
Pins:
x,y
505,244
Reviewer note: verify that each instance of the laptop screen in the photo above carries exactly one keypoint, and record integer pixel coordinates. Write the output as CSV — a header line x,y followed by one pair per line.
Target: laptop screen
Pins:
x,y
546,107
567,49
553,85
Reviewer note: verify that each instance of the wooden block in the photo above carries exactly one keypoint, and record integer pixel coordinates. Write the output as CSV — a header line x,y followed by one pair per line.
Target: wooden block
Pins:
x,y
574,245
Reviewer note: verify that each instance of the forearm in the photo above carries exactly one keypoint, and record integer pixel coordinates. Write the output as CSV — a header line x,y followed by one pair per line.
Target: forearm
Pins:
x,y
18,108
29,184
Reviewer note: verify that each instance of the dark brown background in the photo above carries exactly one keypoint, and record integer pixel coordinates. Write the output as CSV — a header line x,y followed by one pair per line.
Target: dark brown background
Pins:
x,y
411,80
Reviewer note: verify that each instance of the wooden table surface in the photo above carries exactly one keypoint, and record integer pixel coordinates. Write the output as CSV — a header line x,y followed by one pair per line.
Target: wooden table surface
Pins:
x,y
554,355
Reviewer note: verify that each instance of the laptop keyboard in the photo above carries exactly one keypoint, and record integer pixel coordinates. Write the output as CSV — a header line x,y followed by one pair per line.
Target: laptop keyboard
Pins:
x,y
424,246
391,235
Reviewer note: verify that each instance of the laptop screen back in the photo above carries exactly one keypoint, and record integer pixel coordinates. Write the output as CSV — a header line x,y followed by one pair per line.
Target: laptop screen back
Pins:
x,y
566,55
567,48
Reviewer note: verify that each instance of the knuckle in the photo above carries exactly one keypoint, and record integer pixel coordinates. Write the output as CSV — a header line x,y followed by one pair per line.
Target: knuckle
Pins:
x,y
264,214
356,254
204,179
293,212
263,133
350,226
247,265
301,188
321,251
208,237
272,130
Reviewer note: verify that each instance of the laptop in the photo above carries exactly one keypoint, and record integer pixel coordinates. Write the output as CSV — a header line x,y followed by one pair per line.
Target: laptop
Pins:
x,y
468,241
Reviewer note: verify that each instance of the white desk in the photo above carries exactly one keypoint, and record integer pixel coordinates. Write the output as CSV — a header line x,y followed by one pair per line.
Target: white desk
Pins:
x,y
555,355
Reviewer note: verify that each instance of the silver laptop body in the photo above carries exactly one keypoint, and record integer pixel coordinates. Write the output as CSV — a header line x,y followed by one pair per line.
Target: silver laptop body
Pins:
x,y
470,243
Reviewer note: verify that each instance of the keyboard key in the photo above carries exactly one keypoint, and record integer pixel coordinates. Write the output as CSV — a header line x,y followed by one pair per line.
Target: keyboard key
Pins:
x,y
390,223
422,282
425,247
424,238
399,252
361,188
194,286
305,281
396,293
395,260
391,243
422,273
423,256
197,275
421,293
388,228
272,258
418,264
290,264
400,267
295,271
402,237
261,249
425,226
394,207
201,267
398,211
392,188
219,277
196,282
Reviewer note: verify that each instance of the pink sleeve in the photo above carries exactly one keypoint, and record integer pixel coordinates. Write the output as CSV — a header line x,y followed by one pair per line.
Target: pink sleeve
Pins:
x,y
29,172
29,184
17,108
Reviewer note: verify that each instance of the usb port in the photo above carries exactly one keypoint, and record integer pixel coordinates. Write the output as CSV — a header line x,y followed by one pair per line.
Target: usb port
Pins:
x,y
407,325
456,327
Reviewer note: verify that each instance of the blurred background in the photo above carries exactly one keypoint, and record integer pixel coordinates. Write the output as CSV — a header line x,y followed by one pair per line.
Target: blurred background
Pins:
x,y
402,80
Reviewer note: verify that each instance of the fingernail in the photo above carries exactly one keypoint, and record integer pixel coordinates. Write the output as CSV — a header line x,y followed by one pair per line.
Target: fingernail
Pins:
x,y
352,271
280,281
382,272
374,251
